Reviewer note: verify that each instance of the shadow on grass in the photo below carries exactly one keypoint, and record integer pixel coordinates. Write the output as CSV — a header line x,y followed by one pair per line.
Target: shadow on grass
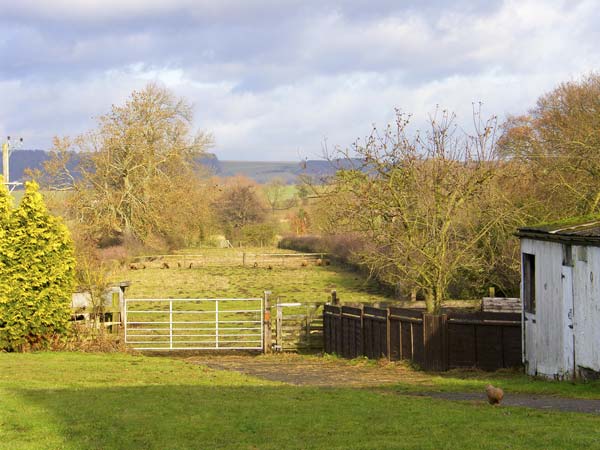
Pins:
x,y
264,417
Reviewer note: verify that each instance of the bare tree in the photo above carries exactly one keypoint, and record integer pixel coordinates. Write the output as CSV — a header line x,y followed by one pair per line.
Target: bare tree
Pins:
x,y
275,195
417,199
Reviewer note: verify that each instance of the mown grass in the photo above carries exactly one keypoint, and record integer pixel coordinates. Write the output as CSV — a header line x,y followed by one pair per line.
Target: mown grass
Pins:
x,y
84,401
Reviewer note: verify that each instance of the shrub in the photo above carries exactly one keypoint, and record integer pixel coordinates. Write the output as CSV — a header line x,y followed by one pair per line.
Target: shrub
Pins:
x,y
37,273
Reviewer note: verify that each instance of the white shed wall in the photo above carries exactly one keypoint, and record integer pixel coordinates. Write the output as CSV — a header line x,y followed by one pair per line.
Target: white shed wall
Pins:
x,y
586,287
564,333
543,336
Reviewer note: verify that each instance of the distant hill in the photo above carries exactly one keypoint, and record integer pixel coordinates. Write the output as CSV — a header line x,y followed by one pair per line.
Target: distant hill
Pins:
x,y
260,171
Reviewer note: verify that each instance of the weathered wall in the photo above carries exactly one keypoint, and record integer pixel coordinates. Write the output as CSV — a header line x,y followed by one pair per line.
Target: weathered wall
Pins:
x,y
564,333
543,336
586,290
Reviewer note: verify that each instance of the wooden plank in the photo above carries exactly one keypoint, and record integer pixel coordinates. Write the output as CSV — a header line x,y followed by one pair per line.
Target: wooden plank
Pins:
x,y
434,340
489,347
461,345
406,313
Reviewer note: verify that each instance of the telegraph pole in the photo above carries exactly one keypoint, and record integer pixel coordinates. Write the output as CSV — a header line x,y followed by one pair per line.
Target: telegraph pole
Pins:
x,y
6,152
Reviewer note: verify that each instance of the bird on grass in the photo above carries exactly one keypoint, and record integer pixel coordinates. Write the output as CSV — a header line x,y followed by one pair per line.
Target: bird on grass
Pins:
x,y
494,394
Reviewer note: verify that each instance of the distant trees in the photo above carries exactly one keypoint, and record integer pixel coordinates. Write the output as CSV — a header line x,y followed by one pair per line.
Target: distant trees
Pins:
x,y
239,207
36,272
276,195
138,175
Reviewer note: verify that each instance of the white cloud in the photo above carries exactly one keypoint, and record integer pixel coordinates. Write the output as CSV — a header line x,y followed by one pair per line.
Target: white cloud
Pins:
x,y
273,79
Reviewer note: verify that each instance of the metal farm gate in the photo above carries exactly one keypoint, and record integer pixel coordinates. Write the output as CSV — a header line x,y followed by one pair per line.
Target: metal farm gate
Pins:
x,y
194,324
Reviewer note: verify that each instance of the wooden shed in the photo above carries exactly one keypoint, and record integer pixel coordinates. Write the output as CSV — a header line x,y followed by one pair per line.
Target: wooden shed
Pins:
x,y
560,294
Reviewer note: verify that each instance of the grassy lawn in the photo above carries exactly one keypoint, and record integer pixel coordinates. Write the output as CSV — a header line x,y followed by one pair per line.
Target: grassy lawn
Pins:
x,y
81,401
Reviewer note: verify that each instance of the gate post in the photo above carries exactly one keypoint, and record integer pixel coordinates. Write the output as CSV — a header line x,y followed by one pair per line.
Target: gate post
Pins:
x,y
278,329
267,336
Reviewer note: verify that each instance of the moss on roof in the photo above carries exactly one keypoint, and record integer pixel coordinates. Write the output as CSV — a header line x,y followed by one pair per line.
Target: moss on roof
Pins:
x,y
592,220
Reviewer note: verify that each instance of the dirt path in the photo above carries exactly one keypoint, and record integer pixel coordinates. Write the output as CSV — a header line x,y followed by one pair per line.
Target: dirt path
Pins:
x,y
310,371
314,371
545,402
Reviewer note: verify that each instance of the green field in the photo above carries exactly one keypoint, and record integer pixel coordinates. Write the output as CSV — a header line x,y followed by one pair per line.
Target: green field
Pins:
x,y
94,401
262,171
221,274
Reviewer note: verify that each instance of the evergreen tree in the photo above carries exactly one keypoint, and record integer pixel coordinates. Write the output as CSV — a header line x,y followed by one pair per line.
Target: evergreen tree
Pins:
x,y
40,274
5,264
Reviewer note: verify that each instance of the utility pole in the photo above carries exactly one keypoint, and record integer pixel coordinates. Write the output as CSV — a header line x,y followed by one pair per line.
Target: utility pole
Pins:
x,y
6,152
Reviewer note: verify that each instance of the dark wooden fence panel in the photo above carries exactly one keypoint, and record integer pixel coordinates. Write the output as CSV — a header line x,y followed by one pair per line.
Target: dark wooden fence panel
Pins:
x,y
512,344
406,345
436,342
462,348
352,339
375,332
394,339
418,344
331,329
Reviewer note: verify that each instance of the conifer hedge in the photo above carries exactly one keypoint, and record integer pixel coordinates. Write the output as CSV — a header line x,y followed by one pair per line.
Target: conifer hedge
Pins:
x,y
37,267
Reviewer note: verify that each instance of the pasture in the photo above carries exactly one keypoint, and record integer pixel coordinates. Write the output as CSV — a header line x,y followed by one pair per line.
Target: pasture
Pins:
x,y
109,401
221,273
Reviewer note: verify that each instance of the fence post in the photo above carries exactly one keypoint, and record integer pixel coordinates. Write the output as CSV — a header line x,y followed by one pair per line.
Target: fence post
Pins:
x,y
243,258
278,328
388,328
268,338
125,319
334,298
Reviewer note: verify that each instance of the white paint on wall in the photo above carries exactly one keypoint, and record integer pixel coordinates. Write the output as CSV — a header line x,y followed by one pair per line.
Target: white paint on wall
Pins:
x,y
563,334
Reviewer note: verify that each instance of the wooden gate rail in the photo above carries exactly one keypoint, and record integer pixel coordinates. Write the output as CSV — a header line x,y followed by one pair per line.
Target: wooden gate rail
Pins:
x,y
436,342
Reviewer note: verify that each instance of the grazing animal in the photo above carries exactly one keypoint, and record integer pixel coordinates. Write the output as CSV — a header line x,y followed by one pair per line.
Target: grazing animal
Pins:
x,y
133,266
255,265
326,262
303,264
165,265
270,267
494,394
319,262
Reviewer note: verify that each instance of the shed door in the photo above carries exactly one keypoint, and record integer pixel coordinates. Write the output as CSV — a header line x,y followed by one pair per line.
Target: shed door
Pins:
x,y
529,337
567,320
529,319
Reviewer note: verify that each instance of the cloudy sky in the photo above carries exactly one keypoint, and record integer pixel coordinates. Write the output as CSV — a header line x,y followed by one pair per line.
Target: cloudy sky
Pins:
x,y
273,79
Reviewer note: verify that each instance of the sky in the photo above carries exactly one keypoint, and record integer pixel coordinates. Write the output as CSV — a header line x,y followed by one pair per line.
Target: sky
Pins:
x,y
279,79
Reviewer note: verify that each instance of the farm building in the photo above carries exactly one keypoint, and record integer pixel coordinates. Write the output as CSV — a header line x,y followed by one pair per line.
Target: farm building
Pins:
x,y
560,293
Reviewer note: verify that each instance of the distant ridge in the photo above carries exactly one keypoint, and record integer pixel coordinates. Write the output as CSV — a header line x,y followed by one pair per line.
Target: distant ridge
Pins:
x,y
260,171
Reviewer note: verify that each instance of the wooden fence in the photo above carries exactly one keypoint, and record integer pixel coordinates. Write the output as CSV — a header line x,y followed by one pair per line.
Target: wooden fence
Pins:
x,y
488,341
232,258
